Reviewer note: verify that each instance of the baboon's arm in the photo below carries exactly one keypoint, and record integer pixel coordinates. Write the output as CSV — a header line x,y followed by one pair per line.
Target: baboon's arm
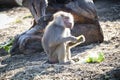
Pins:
x,y
62,40
80,39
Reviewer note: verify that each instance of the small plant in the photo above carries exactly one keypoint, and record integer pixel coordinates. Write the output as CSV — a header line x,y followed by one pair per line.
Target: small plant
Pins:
x,y
7,45
93,58
18,21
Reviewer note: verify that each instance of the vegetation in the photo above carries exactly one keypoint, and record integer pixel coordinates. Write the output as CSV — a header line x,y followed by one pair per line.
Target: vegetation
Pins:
x,y
92,58
7,45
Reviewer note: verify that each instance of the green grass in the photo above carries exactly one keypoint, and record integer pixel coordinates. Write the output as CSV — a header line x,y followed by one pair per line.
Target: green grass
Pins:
x,y
7,45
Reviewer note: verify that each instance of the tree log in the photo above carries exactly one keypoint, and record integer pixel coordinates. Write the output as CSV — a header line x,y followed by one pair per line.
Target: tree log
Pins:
x,y
86,23
8,2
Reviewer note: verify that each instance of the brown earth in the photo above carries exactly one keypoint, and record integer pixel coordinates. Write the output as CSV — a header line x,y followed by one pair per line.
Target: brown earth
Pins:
x,y
33,67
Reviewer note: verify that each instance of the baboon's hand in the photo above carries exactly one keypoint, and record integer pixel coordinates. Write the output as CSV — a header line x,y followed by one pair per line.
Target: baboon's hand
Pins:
x,y
81,38
73,39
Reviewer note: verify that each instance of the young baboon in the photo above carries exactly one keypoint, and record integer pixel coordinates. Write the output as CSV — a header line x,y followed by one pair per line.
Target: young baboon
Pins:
x,y
57,39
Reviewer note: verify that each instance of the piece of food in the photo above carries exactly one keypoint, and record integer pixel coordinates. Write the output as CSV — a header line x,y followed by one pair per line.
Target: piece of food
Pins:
x,y
93,58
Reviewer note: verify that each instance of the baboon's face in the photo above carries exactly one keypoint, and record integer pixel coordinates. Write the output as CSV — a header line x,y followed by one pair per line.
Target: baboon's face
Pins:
x,y
64,19
68,21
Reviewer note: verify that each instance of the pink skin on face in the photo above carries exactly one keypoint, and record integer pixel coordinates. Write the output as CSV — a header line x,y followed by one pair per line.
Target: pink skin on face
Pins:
x,y
67,22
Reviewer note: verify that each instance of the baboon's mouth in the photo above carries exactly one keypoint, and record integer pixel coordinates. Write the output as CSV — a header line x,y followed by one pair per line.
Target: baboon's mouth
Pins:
x,y
69,25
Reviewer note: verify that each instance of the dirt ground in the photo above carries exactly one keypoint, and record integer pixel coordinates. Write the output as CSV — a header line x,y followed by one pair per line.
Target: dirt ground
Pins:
x,y
32,67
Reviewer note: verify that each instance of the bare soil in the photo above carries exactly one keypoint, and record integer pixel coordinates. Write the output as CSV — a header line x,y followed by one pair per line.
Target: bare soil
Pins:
x,y
33,66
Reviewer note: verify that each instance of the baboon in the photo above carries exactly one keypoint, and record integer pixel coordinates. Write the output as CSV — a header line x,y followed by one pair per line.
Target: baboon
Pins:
x,y
57,39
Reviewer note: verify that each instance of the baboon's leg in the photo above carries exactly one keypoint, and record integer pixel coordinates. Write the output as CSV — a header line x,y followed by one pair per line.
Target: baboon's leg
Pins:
x,y
68,52
61,52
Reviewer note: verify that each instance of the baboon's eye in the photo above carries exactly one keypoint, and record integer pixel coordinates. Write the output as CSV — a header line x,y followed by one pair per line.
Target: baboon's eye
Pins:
x,y
65,17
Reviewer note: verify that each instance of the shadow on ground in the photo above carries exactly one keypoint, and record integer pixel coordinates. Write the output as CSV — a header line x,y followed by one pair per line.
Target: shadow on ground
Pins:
x,y
110,11
114,74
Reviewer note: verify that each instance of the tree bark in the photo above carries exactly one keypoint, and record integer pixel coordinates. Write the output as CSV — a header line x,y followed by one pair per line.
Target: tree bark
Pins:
x,y
8,2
